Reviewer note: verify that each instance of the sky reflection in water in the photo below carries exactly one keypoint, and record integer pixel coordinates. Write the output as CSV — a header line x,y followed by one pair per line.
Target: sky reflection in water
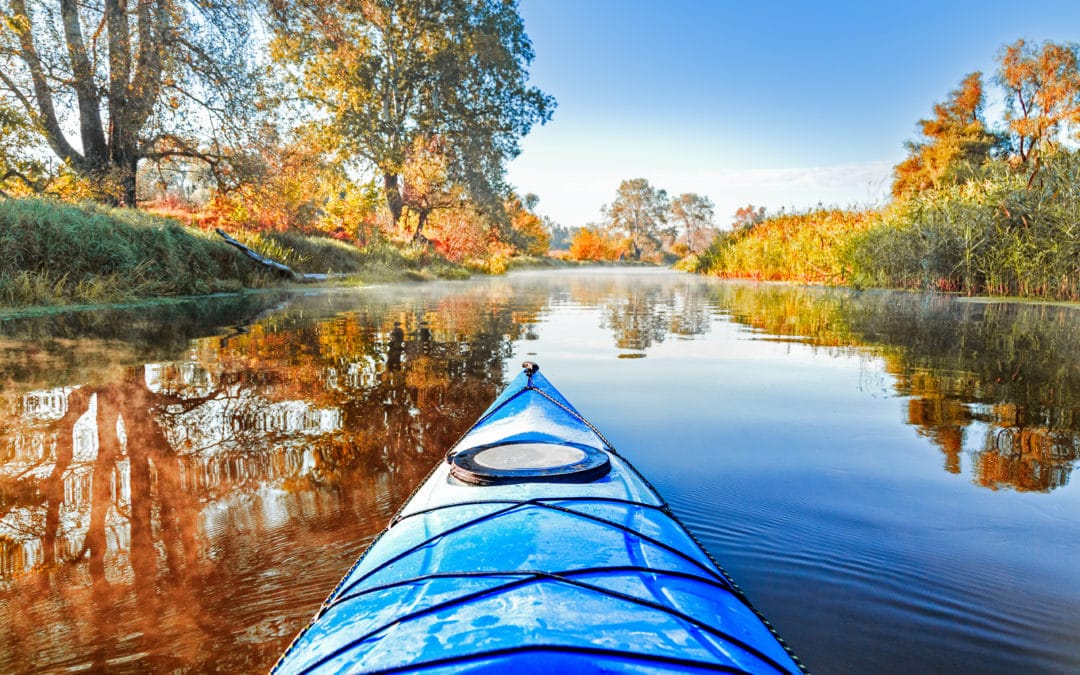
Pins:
x,y
887,475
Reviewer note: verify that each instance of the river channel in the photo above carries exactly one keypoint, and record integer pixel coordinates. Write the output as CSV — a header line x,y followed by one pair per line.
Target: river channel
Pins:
x,y
887,475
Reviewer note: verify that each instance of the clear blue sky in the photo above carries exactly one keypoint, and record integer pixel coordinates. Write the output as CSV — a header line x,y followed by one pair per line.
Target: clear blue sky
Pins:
x,y
774,103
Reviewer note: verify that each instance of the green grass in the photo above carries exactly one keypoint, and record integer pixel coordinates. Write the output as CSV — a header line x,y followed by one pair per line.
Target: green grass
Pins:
x,y
305,254
386,261
57,253
54,253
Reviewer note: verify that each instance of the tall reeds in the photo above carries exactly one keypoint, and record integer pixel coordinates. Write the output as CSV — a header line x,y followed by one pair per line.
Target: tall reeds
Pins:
x,y
804,247
1006,234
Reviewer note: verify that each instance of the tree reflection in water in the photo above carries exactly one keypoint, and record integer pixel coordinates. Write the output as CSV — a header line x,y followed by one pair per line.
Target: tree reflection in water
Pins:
x,y
641,315
123,497
997,381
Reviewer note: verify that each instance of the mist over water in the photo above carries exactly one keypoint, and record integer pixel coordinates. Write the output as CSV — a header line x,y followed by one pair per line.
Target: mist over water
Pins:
x,y
887,475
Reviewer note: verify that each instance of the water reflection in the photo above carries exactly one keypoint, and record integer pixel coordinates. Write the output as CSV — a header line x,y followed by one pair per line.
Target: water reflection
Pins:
x,y
136,479
181,485
998,382
641,315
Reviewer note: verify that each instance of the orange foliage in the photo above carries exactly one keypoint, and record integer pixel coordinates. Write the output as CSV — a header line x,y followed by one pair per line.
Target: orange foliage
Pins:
x,y
953,143
1043,93
459,234
591,244
527,231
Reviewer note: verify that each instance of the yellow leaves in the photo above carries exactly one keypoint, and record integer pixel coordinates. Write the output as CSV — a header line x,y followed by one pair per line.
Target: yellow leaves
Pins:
x,y
790,247
17,23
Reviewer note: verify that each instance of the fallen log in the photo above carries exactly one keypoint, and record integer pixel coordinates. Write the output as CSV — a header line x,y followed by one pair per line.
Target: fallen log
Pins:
x,y
281,268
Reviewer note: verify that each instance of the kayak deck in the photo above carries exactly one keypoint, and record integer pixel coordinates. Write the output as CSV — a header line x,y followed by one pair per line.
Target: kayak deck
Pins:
x,y
536,575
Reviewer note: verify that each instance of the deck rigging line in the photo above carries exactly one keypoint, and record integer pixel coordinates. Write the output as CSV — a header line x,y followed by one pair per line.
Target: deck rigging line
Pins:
x,y
584,651
537,575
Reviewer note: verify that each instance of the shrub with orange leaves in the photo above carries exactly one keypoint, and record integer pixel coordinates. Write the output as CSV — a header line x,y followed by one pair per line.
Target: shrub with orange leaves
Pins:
x,y
589,243
459,234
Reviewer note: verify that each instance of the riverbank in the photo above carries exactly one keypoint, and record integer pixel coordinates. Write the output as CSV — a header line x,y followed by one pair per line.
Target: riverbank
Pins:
x,y
58,254
1006,233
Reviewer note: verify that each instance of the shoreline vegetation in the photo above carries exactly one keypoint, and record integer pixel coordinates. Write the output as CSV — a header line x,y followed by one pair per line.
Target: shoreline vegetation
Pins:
x,y
58,255
1000,235
978,208
53,253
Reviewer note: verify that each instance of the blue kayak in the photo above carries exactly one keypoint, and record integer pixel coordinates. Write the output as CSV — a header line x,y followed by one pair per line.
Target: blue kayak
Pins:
x,y
536,548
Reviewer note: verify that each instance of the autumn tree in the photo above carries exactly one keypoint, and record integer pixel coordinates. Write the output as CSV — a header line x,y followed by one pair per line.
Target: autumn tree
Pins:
x,y
747,217
592,242
107,83
694,214
1042,103
20,171
951,144
426,184
640,212
291,183
527,232
388,73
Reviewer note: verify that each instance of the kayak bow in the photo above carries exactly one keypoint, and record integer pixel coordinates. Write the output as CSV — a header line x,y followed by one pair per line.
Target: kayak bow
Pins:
x,y
536,548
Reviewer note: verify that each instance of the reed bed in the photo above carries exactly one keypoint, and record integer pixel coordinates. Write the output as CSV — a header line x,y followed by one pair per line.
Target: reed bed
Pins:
x,y
805,247
1005,233
1002,235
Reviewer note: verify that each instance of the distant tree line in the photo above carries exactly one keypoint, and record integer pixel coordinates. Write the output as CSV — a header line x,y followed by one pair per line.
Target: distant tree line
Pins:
x,y
644,223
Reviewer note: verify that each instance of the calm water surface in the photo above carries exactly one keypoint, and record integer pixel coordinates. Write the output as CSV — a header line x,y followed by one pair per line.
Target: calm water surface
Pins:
x,y
888,476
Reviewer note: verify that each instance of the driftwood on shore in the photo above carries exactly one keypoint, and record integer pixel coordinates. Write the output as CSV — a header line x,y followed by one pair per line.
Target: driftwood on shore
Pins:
x,y
281,268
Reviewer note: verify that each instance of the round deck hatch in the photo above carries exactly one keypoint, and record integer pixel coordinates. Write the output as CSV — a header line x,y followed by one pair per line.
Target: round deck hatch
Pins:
x,y
530,463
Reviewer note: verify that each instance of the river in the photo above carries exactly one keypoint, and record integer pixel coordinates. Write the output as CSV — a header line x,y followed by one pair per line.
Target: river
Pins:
x,y
887,475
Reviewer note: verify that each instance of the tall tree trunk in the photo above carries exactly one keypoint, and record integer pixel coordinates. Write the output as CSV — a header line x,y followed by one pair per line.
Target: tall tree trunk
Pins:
x,y
91,130
107,158
393,195
421,220
126,165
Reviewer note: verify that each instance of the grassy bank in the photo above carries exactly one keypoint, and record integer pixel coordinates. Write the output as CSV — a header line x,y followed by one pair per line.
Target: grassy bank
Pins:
x,y
56,253
53,253
807,247
378,262
1001,234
